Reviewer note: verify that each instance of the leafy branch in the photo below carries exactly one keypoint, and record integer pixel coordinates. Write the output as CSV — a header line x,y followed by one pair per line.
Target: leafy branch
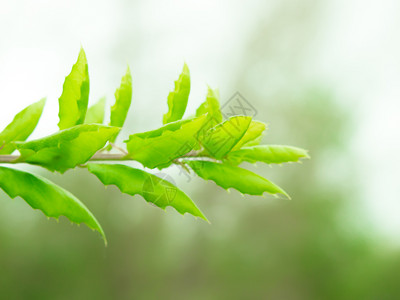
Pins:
x,y
207,144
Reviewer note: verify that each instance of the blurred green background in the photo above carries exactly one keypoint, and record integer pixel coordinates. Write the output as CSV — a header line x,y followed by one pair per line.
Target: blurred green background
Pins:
x,y
321,73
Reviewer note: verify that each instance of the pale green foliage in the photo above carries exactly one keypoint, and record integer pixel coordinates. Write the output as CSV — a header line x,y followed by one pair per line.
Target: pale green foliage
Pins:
x,y
269,154
67,148
158,148
75,96
228,176
21,127
252,136
220,140
209,146
95,113
178,99
211,107
123,98
153,189
51,199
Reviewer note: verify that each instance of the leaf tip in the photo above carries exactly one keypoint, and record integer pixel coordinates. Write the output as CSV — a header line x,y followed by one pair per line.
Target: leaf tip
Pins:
x,y
185,69
103,235
201,216
285,194
42,101
82,52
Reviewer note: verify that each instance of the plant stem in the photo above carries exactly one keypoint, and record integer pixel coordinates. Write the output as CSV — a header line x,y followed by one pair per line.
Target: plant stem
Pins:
x,y
11,159
8,159
109,156
100,156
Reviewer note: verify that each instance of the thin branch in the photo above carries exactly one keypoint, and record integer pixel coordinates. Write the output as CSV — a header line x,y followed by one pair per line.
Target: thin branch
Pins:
x,y
101,156
9,159
193,153
119,148
12,159
182,164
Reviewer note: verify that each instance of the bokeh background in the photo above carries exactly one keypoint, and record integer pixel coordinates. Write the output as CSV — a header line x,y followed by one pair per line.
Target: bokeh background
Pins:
x,y
324,75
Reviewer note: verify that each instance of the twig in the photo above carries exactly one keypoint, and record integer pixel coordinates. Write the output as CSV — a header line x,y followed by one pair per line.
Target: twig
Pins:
x,y
119,148
100,156
8,158
193,153
182,164
12,159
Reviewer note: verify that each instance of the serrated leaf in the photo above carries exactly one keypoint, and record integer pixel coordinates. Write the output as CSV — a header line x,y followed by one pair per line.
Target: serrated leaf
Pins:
x,y
75,96
158,148
252,136
211,107
67,148
168,127
178,99
51,199
123,98
220,140
95,113
228,176
21,127
269,154
153,189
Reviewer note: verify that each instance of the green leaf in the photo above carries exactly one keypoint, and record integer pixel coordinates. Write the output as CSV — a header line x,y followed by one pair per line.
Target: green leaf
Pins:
x,y
51,199
168,127
269,154
67,148
158,148
123,98
178,99
211,107
220,140
95,113
228,176
252,136
75,96
152,188
21,127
